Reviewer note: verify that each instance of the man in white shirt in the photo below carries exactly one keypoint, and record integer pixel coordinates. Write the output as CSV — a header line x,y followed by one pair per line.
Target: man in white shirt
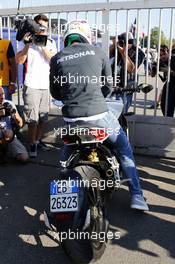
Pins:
x,y
36,83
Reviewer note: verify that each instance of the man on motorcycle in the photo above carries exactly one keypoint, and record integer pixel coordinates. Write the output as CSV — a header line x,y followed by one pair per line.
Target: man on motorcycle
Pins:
x,y
85,100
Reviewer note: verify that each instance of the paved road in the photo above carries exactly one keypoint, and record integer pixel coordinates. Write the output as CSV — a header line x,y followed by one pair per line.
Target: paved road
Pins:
x,y
145,238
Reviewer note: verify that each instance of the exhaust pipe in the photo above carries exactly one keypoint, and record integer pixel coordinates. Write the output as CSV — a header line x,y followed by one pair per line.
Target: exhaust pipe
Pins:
x,y
109,173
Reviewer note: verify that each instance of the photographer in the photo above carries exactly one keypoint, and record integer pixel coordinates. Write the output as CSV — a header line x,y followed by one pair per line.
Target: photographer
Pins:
x,y
121,60
36,57
10,121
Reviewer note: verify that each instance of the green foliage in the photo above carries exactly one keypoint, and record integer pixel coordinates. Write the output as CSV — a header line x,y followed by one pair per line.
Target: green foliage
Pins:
x,y
154,38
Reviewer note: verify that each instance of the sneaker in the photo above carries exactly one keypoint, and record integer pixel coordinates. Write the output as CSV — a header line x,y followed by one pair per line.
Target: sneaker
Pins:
x,y
42,145
33,151
138,202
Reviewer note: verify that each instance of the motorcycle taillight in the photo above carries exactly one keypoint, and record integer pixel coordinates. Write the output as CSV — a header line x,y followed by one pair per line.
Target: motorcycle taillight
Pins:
x,y
66,140
63,216
86,135
69,139
100,134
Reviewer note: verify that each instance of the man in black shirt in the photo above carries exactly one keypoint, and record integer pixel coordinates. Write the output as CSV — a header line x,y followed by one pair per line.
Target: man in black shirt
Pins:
x,y
171,87
164,97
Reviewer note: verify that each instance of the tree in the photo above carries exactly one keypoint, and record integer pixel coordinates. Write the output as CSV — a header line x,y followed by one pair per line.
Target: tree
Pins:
x,y
154,38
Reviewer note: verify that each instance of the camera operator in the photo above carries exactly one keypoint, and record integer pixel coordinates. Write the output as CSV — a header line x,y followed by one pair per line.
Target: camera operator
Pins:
x,y
36,57
9,122
121,60
163,67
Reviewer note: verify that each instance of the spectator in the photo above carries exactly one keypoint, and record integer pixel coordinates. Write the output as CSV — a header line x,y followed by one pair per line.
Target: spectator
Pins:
x,y
131,61
36,84
7,68
162,65
171,89
147,54
8,139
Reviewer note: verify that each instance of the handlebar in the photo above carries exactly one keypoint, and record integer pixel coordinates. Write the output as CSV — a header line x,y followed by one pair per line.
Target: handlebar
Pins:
x,y
120,90
143,87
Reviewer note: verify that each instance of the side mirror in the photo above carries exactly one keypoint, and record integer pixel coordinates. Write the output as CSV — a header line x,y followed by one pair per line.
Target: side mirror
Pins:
x,y
145,87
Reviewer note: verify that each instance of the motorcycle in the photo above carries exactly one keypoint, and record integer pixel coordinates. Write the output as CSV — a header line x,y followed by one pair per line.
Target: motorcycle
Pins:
x,y
89,175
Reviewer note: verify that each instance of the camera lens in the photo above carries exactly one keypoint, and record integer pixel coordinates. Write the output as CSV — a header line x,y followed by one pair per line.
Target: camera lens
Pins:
x,y
40,40
121,43
130,41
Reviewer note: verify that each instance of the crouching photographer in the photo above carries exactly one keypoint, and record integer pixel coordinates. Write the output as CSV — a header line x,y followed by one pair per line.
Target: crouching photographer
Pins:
x,y
10,123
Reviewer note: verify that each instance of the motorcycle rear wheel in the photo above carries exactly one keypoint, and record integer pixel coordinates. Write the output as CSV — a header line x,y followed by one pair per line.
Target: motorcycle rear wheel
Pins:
x,y
92,248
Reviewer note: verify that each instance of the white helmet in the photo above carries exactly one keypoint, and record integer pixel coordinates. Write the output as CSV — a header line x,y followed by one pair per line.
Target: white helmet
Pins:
x,y
78,28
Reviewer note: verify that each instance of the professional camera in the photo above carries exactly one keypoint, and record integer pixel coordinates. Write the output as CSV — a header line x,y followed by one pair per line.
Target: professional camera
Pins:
x,y
7,110
121,43
122,39
29,25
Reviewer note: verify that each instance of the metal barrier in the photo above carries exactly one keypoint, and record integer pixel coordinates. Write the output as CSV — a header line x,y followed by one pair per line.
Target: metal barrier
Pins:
x,y
113,18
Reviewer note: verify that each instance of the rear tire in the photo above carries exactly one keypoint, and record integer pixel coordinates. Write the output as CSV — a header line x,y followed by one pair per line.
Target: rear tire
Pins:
x,y
88,250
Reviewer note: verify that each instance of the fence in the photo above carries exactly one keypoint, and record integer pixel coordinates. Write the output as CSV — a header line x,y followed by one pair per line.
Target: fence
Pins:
x,y
111,19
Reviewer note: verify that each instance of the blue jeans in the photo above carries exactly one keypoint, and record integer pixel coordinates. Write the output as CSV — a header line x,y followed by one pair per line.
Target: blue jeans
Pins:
x,y
127,100
121,147
127,97
8,96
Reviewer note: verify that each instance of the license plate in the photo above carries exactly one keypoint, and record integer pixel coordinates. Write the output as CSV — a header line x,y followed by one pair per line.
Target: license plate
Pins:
x,y
63,196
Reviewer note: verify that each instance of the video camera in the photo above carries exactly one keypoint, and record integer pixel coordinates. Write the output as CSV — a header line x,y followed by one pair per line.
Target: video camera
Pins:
x,y
29,25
